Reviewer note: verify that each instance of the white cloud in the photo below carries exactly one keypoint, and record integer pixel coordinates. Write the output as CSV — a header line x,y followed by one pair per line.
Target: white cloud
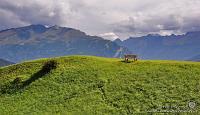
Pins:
x,y
110,36
123,17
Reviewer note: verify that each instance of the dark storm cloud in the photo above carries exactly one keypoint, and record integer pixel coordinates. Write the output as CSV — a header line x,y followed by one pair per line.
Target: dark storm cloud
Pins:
x,y
112,18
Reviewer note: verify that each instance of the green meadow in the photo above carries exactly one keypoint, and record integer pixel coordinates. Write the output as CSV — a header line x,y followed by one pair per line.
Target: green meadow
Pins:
x,y
96,85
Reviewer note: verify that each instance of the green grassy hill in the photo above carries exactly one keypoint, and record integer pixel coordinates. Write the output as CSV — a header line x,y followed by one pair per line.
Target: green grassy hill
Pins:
x,y
94,85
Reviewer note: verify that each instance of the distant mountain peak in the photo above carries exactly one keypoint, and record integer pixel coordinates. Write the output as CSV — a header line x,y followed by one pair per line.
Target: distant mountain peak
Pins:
x,y
118,40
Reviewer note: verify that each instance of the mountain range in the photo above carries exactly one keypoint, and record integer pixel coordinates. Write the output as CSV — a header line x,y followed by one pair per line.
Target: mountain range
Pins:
x,y
172,47
5,63
39,41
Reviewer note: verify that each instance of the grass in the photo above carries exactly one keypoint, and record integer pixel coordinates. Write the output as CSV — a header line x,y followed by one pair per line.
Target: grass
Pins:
x,y
95,85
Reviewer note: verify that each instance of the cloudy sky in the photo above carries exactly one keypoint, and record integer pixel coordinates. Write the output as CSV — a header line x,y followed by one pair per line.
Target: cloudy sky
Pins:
x,y
107,18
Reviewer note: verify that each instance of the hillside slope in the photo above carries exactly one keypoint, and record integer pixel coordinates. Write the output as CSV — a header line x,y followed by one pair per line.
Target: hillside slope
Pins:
x,y
84,84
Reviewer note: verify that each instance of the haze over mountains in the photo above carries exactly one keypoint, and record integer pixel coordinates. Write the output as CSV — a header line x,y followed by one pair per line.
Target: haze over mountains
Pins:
x,y
173,47
38,41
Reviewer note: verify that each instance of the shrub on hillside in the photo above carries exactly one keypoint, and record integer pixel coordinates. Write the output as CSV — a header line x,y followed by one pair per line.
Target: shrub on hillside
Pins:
x,y
48,66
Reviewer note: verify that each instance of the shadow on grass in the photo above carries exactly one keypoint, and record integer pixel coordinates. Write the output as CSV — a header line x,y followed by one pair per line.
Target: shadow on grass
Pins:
x,y
130,61
18,85
50,65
